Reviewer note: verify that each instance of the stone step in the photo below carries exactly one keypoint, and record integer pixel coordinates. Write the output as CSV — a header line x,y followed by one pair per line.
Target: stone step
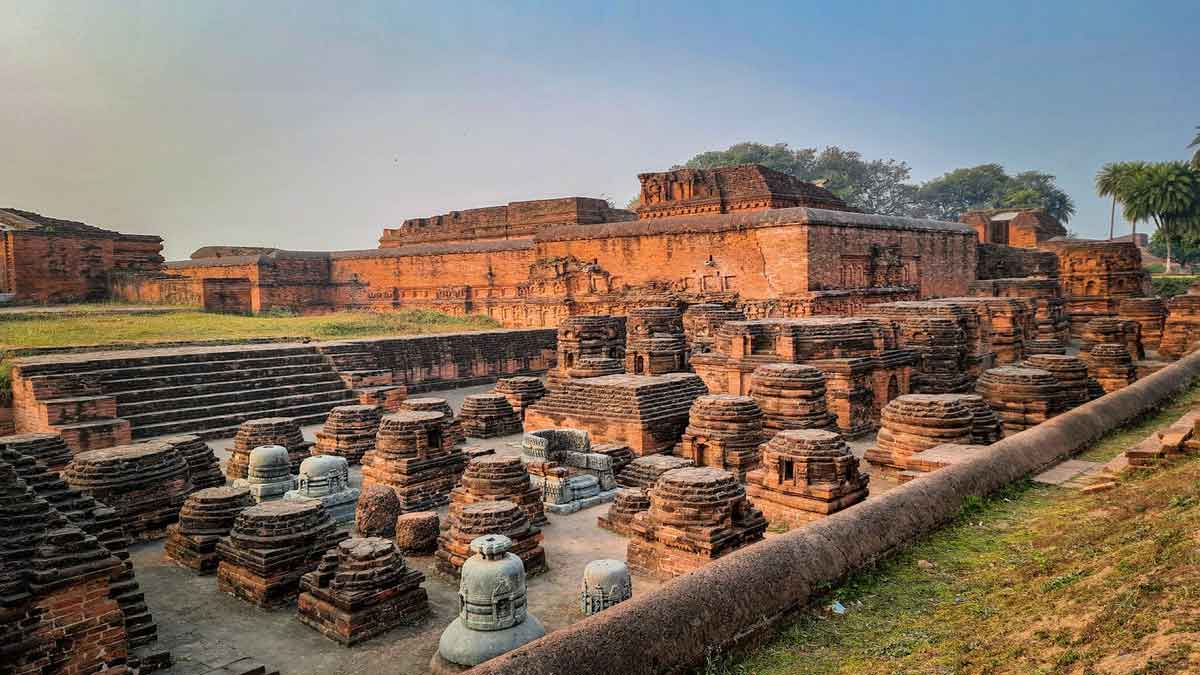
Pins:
x,y
130,400
216,377
226,426
186,409
145,370
78,409
94,434
123,361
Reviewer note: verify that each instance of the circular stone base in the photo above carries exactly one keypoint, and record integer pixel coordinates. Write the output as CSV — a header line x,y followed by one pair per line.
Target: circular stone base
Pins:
x,y
465,648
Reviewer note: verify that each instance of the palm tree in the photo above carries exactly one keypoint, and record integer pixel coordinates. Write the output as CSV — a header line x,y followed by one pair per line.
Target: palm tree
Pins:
x,y
1196,144
1112,181
1166,193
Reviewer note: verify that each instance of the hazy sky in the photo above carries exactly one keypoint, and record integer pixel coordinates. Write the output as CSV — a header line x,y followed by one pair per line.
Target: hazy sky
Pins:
x,y
314,125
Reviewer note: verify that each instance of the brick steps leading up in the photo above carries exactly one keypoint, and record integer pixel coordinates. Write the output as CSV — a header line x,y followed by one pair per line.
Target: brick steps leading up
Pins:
x,y
252,405
267,380
215,402
226,426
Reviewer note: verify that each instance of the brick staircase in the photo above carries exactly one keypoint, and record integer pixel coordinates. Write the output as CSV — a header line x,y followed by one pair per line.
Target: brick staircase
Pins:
x,y
101,399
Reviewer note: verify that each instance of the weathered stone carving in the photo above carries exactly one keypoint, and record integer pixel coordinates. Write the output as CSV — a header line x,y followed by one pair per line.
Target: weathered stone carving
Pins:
x,y
281,431
806,474
570,476
605,583
326,478
269,473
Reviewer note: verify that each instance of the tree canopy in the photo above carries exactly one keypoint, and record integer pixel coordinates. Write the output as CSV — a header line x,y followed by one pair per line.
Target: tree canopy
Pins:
x,y
883,185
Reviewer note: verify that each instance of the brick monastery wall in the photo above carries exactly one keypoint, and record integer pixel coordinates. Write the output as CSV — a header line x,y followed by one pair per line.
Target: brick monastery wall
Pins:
x,y
516,220
780,262
46,267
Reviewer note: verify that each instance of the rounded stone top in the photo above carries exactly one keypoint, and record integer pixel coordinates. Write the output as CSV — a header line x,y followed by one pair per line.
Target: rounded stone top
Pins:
x,y
354,410
1019,374
223,493
323,465
124,453
605,573
282,509
696,476
424,402
485,398
808,443
28,438
1110,350
269,455
491,545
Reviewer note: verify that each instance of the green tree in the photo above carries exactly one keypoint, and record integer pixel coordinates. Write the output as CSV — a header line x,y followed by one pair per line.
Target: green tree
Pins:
x,y
1032,189
1112,181
875,186
1196,144
977,187
1167,194
1185,249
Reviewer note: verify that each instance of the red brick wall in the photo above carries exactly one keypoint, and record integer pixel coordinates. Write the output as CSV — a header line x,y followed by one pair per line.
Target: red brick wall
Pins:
x,y
49,268
231,296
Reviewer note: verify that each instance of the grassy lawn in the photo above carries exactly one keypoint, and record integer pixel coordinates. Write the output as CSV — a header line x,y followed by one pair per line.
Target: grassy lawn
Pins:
x,y
1036,580
100,328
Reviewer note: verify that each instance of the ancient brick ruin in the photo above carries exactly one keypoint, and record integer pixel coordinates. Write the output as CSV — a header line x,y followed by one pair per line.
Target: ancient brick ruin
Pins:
x,y
725,432
1151,316
146,483
1022,397
499,478
205,518
415,456
1181,333
791,396
1025,228
521,392
805,474
489,518
654,341
917,422
361,588
349,432
488,416
643,472
696,515
628,503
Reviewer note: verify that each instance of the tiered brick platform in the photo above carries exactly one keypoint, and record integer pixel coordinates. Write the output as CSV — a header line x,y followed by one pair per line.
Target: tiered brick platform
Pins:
x,y
985,423
916,422
349,432
791,396
1112,366
643,472
649,413
452,426
361,588
270,547
702,321
1149,313
101,399
1046,294
1070,371
489,416
806,474
655,343
587,337
1022,397
1181,332
282,431
628,503
521,392
483,518
1010,321
941,348
203,465
48,448
724,432
415,456
146,483
696,515
976,327
499,478
1106,330
206,517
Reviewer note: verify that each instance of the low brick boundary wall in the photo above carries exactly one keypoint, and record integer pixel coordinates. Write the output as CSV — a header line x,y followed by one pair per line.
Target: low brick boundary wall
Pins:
x,y
735,598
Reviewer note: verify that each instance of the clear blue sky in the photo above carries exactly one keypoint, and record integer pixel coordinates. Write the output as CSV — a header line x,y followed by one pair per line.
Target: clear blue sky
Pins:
x,y
314,125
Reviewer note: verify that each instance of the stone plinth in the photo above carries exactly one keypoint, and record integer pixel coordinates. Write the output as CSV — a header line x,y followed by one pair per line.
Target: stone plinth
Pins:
x,y
940,457
349,432
499,478
655,343
1149,313
206,517
493,613
1022,397
701,323
941,347
454,429
203,465
1181,332
587,337
568,474
643,472
489,416
916,422
648,413
1112,366
593,367
806,474
281,431
48,448
361,588
146,483
271,546
1111,331
628,503
1046,294
521,392
791,396
985,423
414,455
376,512
268,473
1010,321
417,532
696,515
1044,346
326,478
724,431
1070,371
489,518
605,583
619,453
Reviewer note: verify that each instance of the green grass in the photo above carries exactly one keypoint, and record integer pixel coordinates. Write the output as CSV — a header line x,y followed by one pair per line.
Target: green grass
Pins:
x,y
1115,442
91,325
1037,579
